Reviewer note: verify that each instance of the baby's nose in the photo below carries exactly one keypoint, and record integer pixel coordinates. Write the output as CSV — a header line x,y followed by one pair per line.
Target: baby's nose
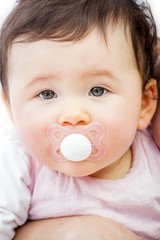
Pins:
x,y
74,117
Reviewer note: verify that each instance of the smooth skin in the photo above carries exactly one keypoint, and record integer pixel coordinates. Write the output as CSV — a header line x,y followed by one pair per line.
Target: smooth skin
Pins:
x,y
75,228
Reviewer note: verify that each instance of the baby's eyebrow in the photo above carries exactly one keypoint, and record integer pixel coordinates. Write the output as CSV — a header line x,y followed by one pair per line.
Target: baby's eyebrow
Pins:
x,y
38,79
88,74
101,73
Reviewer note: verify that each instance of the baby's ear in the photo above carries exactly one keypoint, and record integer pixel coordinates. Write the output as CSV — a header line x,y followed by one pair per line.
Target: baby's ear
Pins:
x,y
7,104
148,105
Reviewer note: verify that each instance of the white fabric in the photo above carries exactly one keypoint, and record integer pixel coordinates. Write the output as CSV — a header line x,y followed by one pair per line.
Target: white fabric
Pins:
x,y
14,181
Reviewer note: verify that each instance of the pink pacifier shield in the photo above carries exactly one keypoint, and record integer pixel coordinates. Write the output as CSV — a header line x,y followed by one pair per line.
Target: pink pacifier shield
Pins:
x,y
77,144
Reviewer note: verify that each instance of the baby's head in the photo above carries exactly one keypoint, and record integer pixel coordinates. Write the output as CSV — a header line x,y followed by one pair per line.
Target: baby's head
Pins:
x,y
68,20
74,62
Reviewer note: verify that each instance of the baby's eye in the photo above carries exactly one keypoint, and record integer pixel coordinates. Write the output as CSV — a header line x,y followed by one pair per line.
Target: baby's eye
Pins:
x,y
47,94
97,91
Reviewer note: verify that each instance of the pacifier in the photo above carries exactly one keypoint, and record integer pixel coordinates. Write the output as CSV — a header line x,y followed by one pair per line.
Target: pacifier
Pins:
x,y
77,144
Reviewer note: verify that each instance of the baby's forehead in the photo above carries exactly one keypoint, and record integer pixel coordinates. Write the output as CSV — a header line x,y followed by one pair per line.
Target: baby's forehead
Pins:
x,y
117,31
93,48
116,40
84,55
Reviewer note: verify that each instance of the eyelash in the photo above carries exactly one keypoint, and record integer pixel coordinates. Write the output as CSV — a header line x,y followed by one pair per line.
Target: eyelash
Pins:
x,y
96,91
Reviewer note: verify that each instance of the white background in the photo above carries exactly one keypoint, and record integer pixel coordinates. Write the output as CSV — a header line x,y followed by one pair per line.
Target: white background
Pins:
x,y
5,8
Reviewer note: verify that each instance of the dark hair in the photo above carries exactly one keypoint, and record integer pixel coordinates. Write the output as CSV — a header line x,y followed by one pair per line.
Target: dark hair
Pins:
x,y
72,20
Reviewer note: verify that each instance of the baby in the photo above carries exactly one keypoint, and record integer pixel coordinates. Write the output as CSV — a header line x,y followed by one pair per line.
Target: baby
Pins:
x,y
78,83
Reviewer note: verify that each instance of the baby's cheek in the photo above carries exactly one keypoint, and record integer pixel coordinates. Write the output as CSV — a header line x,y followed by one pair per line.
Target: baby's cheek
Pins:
x,y
119,137
35,140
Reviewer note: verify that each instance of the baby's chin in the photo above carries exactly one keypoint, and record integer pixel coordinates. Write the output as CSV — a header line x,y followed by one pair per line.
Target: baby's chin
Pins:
x,y
77,169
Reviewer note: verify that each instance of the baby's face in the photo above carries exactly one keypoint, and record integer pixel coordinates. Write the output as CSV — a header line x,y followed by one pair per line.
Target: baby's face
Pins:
x,y
74,84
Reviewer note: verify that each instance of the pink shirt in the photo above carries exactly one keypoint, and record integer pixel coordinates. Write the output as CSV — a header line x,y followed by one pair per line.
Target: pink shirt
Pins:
x,y
133,201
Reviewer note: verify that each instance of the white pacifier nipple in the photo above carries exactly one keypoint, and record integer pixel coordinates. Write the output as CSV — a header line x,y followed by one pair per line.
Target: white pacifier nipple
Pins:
x,y
76,147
